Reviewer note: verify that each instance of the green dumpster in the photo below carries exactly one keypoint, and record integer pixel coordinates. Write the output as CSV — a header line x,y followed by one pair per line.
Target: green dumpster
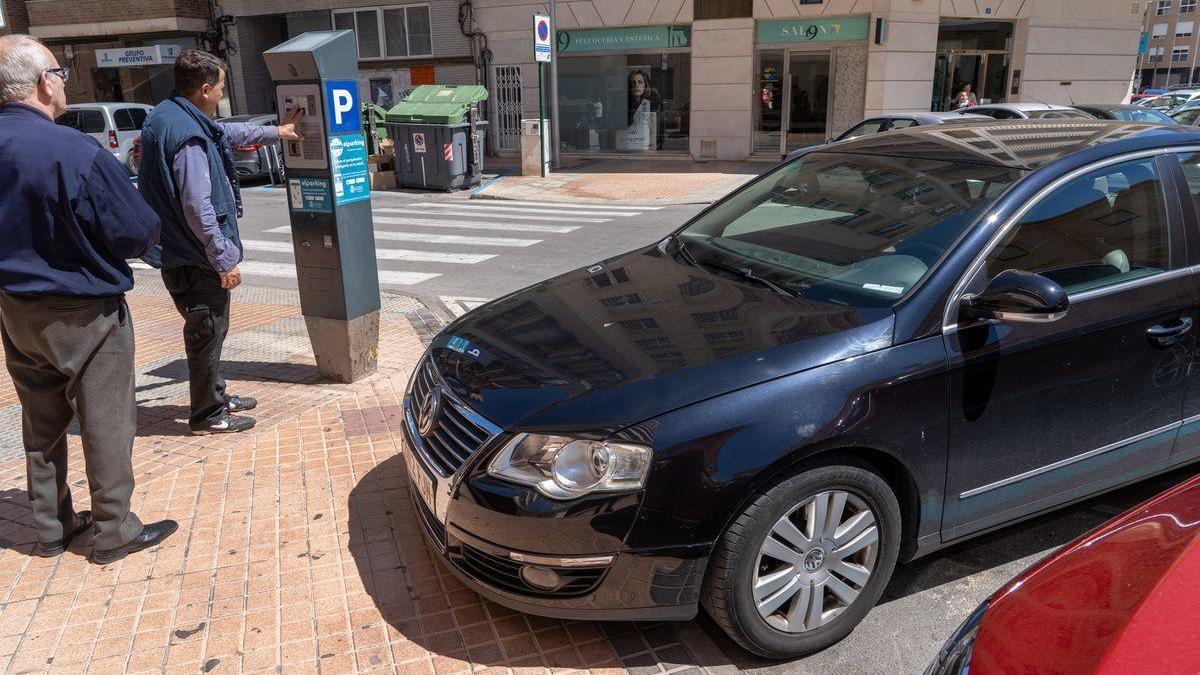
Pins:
x,y
438,136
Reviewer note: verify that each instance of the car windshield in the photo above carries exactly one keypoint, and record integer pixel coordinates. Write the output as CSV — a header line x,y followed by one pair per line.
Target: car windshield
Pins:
x,y
1142,115
856,230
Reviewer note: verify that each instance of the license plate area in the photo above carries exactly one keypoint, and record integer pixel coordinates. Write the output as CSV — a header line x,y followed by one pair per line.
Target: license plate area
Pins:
x,y
419,479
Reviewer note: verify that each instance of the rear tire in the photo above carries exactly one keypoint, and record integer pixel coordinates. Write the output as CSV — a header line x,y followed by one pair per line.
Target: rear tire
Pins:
x,y
802,565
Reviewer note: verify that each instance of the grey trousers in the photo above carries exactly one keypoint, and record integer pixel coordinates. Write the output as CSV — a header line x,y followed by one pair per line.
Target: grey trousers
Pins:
x,y
73,357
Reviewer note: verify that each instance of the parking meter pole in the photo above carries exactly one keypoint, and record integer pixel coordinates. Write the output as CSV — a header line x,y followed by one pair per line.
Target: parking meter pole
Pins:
x,y
329,198
541,120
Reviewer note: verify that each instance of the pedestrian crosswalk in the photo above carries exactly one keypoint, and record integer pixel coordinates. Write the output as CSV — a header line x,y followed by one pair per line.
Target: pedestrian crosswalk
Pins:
x,y
425,239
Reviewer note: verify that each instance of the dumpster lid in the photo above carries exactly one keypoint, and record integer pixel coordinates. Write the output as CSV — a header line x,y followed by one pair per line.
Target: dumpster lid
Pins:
x,y
437,104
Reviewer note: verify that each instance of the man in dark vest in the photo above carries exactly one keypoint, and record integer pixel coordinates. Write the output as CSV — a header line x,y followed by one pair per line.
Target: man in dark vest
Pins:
x,y
188,177
69,218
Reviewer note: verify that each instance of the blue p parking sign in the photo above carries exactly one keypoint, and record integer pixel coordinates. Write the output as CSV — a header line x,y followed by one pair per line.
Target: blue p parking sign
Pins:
x,y
341,104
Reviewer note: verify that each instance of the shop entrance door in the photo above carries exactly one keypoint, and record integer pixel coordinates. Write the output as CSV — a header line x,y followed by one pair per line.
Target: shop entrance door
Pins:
x,y
985,70
792,100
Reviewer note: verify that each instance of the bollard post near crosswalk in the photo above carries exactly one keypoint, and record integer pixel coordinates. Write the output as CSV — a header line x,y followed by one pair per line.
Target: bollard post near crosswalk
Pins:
x,y
329,199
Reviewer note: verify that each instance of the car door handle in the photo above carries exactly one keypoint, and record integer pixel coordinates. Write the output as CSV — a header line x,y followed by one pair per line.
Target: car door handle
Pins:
x,y
1167,336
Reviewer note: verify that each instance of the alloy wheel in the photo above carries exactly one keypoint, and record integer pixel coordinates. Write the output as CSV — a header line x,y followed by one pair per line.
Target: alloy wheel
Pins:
x,y
815,561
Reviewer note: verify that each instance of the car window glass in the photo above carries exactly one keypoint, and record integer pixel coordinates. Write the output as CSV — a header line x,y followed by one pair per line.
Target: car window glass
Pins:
x,y
69,119
1191,170
863,129
1187,116
1102,228
903,123
138,115
124,120
859,231
91,121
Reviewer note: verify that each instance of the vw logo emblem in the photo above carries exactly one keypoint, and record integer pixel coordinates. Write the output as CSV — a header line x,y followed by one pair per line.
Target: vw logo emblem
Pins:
x,y
429,410
814,559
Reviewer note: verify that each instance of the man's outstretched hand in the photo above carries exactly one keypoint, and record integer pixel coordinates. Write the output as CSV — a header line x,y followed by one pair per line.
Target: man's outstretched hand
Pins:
x,y
287,129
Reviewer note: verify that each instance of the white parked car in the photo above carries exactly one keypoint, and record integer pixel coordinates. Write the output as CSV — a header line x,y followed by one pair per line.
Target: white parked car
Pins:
x,y
114,125
1027,111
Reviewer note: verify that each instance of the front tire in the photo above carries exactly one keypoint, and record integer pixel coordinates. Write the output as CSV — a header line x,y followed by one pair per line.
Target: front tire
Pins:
x,y
802,565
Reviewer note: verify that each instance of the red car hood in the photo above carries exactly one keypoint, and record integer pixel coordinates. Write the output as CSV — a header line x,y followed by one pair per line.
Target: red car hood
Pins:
x,y
1123,598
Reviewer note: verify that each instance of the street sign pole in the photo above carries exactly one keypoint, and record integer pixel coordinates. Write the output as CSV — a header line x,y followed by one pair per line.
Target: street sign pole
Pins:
x,y
543,51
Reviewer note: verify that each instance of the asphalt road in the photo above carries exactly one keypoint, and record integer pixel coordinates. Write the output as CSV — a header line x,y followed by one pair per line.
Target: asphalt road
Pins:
x,y
452,253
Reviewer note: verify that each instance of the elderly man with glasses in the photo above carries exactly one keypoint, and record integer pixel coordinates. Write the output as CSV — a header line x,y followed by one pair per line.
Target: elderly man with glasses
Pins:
x,y
69,219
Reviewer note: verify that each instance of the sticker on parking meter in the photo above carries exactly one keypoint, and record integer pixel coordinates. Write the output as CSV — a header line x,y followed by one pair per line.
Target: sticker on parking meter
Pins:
x,y
351,176
309,195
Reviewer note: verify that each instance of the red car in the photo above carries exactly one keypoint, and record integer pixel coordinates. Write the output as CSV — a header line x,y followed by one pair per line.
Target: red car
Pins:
x,y
1124,598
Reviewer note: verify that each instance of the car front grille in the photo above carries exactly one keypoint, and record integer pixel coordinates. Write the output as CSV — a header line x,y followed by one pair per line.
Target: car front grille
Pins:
x,y
505,574
455,437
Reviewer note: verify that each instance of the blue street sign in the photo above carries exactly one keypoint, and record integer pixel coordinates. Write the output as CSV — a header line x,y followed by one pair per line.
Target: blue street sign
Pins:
x,y
341,102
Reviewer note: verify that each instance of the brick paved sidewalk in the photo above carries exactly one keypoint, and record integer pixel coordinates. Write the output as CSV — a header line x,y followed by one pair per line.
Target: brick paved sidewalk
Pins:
x,y
298,550
640,181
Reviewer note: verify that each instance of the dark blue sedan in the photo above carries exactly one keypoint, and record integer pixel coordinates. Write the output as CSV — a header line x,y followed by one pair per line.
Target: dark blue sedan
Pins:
x,y
882,347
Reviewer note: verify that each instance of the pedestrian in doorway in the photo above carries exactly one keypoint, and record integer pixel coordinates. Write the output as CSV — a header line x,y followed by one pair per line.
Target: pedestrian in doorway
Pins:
x,y
966,98
188,177
69,219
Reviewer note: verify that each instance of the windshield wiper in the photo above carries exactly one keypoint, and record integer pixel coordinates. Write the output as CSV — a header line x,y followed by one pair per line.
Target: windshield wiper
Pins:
x,y
744,272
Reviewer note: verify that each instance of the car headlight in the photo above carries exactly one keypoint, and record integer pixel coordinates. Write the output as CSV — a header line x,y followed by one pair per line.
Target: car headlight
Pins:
x,y
561,467
955,656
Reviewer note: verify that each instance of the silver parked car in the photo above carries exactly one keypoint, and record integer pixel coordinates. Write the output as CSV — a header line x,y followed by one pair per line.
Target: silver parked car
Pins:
x,y
114,125
258,161
1027,111
902,120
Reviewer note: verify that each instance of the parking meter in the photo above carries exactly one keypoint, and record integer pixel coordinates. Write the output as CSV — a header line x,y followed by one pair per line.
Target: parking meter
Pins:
x,y
329,198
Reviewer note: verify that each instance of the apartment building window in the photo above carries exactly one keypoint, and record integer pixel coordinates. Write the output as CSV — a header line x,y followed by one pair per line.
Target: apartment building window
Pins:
x,y
1164,7
388,32
1187,6
1184,28
1159,31
1155,54
1179,54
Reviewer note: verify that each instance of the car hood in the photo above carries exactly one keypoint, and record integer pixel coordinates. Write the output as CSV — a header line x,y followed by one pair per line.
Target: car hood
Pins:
x,y
636,336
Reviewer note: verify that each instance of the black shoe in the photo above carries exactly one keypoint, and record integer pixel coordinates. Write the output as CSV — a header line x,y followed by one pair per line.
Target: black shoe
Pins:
x,y
54,548
152,535
226,424
240,404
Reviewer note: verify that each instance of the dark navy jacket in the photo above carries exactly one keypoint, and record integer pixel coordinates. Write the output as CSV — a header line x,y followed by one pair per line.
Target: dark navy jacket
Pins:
x,y
69,216
170,126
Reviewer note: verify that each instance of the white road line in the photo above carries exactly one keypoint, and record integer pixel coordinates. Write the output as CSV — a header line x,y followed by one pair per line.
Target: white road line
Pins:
x,y
557,205
548,211
495,216
250,269
472,225
430,238
382,253
139,265
459,305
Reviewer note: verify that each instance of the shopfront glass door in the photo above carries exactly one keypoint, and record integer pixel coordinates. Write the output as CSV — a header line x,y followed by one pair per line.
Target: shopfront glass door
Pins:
x,y
985,71
807,99
995,78
768,101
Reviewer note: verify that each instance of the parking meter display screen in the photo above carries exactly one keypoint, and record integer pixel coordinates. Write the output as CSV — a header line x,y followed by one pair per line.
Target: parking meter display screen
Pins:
x,y
308,153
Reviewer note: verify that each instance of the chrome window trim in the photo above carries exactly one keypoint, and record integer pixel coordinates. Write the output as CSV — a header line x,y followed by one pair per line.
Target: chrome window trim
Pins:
x,y
950,315
1069,461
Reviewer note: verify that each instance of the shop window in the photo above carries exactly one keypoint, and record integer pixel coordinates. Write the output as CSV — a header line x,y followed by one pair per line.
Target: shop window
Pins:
x,y
388,32
723,9
625,102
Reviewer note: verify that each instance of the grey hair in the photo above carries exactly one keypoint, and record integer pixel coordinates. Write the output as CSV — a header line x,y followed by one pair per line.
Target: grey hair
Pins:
x,y
22,62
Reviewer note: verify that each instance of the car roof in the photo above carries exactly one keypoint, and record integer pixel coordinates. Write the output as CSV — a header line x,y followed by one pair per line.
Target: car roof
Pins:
x,y
1018,144
1108,106
1023,107
108,105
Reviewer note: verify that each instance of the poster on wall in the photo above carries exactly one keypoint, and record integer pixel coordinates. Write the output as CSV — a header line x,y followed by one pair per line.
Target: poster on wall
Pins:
x,y
643,104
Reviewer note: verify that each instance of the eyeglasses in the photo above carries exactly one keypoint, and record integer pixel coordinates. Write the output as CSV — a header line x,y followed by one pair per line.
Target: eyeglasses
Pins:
x,y
62,72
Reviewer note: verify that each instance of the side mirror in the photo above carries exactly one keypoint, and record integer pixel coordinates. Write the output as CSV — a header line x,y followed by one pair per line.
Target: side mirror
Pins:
x,y
1014,295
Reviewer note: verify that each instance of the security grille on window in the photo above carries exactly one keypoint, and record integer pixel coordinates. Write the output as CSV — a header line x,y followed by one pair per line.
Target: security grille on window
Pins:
x,y
1164,7
1187,6
1179,54
388,32
1184,28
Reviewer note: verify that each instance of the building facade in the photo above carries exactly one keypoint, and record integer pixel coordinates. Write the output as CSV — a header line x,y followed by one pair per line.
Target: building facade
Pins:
x,y
731,79
1172,40
119,50
400,44
16,17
